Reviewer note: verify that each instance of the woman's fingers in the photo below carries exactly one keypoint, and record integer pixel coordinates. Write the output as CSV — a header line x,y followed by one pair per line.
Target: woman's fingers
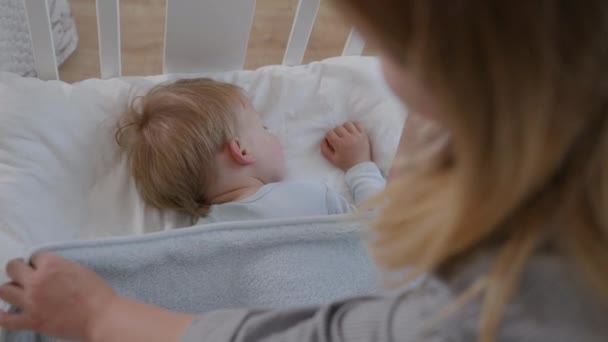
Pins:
x,y
17,270
13,321
43,259
12,294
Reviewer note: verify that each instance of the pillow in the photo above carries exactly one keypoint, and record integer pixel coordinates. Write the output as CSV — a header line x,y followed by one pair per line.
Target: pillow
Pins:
x,y
62,177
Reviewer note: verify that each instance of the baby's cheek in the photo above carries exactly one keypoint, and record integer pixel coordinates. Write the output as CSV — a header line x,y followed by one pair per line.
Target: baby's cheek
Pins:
x,y
279,161
275,145
278,150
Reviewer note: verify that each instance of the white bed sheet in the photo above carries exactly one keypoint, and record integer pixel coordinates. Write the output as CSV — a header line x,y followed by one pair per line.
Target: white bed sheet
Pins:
x,y
62,178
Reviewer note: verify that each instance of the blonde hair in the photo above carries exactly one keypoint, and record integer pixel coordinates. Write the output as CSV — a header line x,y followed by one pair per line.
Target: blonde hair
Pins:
x,y
171,137
522,163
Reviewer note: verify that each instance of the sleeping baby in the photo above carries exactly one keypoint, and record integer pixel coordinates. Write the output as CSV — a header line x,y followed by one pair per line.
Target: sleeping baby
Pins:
x,y
198,146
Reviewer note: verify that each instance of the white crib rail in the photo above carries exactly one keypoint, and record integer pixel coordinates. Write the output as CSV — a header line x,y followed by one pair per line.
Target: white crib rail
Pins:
x,y
354,44
45,62
300,31
108,29
210,35
200,35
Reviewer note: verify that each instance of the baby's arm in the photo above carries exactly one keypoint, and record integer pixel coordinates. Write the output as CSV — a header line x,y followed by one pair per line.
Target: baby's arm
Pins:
x,y
364,181
348,147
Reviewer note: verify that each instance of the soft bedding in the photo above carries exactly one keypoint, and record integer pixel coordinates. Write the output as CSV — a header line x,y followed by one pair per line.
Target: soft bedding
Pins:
x,y
61,177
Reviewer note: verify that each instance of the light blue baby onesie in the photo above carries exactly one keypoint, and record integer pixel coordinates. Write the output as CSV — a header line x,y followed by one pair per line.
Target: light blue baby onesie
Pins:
x,y
301,198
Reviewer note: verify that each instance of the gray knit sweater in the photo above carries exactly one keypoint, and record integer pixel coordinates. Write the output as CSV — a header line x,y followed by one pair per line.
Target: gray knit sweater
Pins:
x,y
551,304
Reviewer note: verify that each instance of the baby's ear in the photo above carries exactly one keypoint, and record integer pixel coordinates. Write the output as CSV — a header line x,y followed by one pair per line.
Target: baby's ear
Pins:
x,y
239,153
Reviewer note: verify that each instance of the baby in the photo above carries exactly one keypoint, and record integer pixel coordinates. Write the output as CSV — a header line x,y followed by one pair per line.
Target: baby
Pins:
x,y
198,146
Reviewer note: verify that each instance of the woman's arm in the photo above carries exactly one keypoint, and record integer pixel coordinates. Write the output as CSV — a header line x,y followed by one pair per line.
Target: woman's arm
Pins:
x,y
129,320
62,299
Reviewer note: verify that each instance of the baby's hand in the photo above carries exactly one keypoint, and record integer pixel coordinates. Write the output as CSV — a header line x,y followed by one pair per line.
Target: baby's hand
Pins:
x,y
347,145
55,296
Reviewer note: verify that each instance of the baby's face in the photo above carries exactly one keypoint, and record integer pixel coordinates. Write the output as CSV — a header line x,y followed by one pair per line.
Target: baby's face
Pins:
x,y
263,145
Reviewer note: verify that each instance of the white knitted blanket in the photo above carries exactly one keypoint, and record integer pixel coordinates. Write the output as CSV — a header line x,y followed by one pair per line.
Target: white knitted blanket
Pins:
x,y
15,44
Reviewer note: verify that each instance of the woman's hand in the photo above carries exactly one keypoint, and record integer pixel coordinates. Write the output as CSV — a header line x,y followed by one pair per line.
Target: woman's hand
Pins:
x,y
56,297
347,145
61,298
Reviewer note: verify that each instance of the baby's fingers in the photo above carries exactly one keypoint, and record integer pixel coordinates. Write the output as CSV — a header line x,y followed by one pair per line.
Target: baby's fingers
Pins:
x,y
333,138
341,131
326,150
351,128
359,126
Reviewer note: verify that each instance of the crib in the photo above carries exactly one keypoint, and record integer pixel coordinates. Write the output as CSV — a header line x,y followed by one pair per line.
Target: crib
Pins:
x,y
187,48
64,188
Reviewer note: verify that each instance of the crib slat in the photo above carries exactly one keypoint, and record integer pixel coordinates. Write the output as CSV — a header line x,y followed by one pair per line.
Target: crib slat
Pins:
x,y
354,44
300,32
108,29
207,35
45,62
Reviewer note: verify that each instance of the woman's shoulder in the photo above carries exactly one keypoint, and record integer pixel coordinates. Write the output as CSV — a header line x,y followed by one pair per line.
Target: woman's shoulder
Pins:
x,y
551,303
553,294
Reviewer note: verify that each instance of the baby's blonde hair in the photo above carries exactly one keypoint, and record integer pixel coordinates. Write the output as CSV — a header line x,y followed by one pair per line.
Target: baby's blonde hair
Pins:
x,y
171,137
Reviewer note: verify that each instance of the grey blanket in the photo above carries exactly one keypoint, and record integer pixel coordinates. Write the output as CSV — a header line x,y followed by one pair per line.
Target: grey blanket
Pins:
x,y
269,263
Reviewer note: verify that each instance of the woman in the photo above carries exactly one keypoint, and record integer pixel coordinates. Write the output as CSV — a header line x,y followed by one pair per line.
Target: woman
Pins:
x,y
505,185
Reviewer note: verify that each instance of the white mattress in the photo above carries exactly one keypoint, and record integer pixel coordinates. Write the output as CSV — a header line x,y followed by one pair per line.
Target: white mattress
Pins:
x,y
62,178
